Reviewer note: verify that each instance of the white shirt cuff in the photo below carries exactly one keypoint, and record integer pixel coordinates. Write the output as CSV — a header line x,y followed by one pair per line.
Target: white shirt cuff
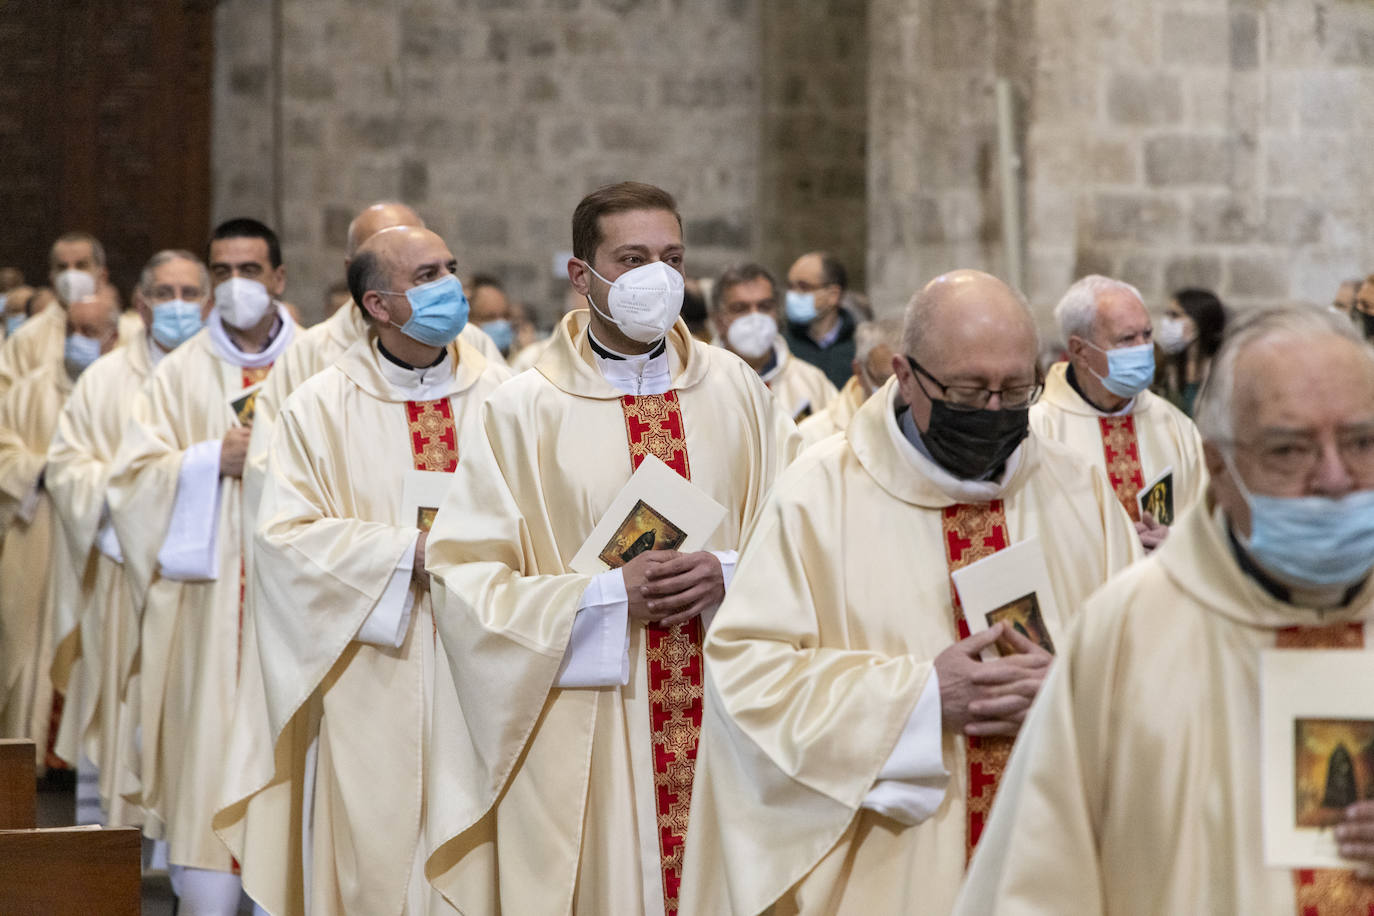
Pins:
x,y
729,559
106,541
387,623
911,784
598,653
190,550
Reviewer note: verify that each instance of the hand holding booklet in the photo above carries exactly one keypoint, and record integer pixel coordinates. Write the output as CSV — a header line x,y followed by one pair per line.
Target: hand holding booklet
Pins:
x,y
657,510
1011,587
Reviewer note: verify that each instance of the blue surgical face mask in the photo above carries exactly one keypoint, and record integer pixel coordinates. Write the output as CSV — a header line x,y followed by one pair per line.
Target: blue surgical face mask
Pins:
x,y
438,311
12,322
800,307
176,322
501,333
1312,541
1130,370
79,352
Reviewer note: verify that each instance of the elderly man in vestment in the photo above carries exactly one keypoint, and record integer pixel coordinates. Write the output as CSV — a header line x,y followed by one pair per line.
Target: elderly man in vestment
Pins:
x,y
173,300
1136,786
76,265
323,803
1098,403
875,343
564,742
30,701
746,322
317,347
852,741
176,502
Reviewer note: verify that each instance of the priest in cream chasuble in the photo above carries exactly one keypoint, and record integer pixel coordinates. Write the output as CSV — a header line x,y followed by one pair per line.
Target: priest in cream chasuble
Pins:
x,y
323,796
1136,785
1098,403
852,742
565,738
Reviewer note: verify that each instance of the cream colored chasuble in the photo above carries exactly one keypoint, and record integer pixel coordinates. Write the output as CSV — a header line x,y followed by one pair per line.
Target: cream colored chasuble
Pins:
x,y
820,653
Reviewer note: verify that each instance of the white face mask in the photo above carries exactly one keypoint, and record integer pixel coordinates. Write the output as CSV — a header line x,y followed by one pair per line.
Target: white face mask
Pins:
x,y
241,302
1173,335
644,302
73,285
752,335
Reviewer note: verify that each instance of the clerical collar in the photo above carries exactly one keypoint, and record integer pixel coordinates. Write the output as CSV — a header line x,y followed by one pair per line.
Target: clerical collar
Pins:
x,y
1072,378
443,353
606,352
1276,589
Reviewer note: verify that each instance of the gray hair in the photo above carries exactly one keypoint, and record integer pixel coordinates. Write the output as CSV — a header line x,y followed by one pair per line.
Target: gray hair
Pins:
x,y
870,335
1215,414
1076,312
922,306
145,279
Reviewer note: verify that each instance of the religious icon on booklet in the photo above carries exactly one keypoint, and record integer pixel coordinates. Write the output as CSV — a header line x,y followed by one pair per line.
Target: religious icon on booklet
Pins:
x,y
1023,616
424,517
644,528
803,411
244,403
1333,768
1158,498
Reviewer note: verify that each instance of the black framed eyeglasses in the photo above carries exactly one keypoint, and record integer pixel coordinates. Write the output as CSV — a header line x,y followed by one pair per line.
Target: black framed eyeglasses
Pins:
x,y
965,397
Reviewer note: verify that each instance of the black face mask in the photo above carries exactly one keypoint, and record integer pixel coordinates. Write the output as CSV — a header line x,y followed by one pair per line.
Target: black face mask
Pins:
x,y
1366,324
970,443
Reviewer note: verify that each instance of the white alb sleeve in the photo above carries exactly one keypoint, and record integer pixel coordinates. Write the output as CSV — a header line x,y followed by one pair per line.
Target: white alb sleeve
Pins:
x,y
386,624
598,653
911,785
106,541
190,549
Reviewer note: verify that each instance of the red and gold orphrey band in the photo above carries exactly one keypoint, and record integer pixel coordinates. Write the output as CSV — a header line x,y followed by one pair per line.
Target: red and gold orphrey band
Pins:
x,y
653,426
433,437
1122,451
1328,891
973,531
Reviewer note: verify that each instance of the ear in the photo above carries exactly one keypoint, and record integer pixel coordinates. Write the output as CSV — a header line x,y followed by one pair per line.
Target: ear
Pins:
x,y
1077,347
579,276
1212,457
373,302
277,284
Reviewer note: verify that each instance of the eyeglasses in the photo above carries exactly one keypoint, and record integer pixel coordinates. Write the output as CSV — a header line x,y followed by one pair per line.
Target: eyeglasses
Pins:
x,y
166,292
1298,456
965,397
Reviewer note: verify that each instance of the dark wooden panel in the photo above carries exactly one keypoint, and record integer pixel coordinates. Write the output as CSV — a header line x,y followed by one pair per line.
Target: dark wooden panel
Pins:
x,y
18,803
105,126
70,871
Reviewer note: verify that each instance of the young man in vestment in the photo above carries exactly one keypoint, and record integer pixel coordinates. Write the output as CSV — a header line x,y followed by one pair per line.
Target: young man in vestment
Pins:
x,y
1099,404
31,703
1137,785
745,316
852,740
323,802
176,502
564,741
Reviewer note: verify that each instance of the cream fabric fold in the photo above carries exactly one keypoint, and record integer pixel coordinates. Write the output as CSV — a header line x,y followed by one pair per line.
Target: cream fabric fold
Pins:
x,y
37,343
797,384
817,658
836,416
31,610
541,800
331,533
1136,788
1167,438
189,636
79,460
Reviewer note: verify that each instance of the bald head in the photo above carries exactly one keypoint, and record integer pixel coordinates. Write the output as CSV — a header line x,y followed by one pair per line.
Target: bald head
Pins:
x,y
374,219
95,316
395,259
966,314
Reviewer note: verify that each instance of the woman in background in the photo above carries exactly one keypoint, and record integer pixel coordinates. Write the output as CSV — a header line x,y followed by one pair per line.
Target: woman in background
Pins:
x,y
1188,336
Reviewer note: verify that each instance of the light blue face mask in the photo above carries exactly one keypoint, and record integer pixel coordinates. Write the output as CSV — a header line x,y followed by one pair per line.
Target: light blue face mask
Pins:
x,y
79,352
1130,370
176,322
1312,541
12,323
800,307
438,311
501,332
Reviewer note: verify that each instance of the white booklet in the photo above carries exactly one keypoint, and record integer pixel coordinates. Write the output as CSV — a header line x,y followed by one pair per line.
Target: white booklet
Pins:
x,y
1013,587
1316,748
658,509
422,495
